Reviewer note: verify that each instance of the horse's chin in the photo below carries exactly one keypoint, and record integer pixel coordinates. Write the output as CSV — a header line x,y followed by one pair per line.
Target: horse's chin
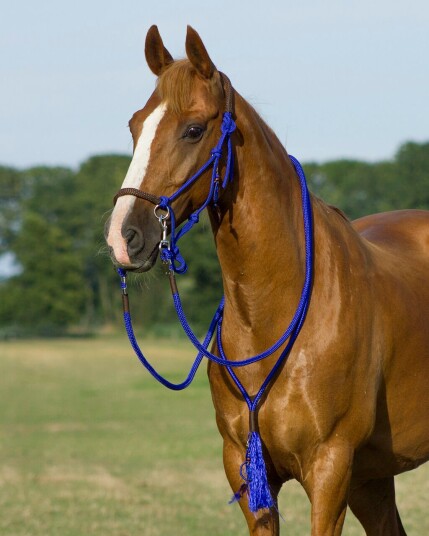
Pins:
x,y
139,266
146,266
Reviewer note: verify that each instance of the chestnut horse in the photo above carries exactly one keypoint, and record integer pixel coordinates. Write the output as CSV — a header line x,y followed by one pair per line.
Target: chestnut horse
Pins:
x,y
350,407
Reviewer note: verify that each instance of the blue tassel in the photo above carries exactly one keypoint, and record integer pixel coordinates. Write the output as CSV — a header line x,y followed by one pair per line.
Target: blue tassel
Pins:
x,y
255,476
258,489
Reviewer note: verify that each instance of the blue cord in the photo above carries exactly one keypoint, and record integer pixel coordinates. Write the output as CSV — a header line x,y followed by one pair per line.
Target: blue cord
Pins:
x,y
291,332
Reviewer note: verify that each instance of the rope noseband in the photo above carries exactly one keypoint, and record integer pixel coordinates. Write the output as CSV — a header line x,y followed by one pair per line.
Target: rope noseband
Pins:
x,y
253,469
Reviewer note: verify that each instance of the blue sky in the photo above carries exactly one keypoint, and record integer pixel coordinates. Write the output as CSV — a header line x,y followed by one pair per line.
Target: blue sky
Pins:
x,y
334,78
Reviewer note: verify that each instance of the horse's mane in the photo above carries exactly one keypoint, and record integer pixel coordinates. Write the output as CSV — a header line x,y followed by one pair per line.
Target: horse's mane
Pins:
x,y
175,85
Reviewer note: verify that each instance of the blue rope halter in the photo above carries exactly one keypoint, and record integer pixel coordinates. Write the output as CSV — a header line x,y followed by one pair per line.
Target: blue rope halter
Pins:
x,y
253,470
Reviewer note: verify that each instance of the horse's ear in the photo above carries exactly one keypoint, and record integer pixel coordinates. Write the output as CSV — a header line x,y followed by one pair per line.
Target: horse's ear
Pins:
x,y
197,54
157,56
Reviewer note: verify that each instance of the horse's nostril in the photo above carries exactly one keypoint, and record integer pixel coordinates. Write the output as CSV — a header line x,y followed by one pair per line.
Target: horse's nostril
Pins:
x,y
135,240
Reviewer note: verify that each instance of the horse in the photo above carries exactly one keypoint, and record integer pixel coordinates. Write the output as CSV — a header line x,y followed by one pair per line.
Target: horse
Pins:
x,y
349,409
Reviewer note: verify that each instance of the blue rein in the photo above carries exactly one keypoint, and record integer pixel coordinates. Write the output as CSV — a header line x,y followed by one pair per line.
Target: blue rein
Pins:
x,y
253,469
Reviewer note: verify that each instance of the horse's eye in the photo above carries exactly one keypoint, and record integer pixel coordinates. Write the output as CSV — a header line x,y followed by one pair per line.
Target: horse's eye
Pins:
x,y
194,133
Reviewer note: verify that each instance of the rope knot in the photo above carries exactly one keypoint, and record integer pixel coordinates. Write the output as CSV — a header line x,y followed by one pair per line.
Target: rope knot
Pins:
x,y
163,202
228,124
216,152
174,256
194,217
167,255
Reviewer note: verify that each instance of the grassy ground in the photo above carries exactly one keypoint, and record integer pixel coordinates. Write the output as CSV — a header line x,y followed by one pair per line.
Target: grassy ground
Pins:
x,y
90,445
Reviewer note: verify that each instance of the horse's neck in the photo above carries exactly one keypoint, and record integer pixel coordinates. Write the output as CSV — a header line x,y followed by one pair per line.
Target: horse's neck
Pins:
x,y
260,239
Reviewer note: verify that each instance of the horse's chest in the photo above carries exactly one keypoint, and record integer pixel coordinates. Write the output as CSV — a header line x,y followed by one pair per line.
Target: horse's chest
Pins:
x,y
288,417
302,408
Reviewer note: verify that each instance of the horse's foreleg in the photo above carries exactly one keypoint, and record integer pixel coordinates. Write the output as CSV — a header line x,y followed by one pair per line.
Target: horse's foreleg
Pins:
x,y
373,503
262,523
327,485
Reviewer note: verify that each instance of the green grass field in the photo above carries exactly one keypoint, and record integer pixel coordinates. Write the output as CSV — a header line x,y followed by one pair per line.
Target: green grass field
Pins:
x,y
91,445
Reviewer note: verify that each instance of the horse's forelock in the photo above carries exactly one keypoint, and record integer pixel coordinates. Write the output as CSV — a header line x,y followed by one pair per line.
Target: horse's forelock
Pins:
x,y
175,85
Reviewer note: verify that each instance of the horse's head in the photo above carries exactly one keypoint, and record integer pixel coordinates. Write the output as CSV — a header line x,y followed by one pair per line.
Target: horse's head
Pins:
x,y
173,136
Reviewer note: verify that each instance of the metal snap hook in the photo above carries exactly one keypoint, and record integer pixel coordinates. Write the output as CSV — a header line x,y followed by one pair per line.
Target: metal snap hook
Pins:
x,y
162,217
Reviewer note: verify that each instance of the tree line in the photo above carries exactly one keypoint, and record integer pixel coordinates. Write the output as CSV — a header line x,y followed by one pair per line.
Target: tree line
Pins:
x,y
51,225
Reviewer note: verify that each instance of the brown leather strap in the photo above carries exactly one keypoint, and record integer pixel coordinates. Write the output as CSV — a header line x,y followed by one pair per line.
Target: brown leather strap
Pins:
x,y
155,200
227,87
253,421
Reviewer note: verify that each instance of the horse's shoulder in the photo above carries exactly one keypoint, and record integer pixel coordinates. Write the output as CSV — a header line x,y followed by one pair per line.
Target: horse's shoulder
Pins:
x,y
400,228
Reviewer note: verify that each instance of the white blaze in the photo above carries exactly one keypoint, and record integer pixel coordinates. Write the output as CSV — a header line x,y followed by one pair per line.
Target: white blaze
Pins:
x,y
133,179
